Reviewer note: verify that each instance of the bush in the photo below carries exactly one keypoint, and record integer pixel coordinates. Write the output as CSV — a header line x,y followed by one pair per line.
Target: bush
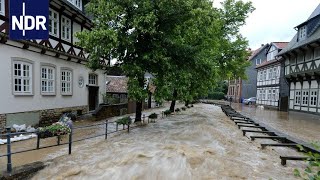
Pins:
x,y
167,112
184,108
312,171
216,95
191,105
177,110
124,121
153,116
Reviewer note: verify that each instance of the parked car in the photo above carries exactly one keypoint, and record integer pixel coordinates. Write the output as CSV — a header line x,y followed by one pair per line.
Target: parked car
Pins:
x,y
251,100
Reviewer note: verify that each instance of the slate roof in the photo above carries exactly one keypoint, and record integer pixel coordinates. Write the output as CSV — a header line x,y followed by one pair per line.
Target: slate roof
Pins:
x,y
266,63
257,51
315,36
117,84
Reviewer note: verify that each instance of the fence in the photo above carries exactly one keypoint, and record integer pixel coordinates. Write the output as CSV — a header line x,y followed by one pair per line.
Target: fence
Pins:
x,y
9,134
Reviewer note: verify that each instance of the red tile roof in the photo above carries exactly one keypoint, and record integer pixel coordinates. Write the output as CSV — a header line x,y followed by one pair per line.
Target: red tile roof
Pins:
x,y
117,84
281,45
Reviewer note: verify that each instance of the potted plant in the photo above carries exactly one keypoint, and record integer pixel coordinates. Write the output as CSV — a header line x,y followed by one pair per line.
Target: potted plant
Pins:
x,y
56,129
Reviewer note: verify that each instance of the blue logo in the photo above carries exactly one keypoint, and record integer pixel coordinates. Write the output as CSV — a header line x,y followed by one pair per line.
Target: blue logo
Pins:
x,y
29,19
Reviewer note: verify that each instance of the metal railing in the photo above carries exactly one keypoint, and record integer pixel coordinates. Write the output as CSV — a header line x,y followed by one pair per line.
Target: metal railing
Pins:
x,y
9,134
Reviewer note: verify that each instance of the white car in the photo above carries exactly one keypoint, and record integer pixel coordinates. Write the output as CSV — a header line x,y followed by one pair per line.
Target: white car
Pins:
x,y
250,101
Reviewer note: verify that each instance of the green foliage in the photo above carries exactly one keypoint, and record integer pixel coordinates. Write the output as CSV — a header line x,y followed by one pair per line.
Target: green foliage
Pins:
x,y
55,129
124,121
153,116
312,171
167,112
216,95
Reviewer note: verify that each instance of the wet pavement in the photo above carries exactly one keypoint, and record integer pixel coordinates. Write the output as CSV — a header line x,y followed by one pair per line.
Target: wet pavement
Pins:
x,y
53,152
200,143
299,125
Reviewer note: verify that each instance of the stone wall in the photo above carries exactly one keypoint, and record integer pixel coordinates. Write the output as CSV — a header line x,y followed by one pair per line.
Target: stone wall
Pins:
x,y
49,116
107,111
3,119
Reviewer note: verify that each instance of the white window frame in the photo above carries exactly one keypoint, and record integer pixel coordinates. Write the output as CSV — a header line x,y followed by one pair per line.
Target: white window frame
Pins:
x,y
264,75
2,8
313,97
52,22
258,61
269,94
76,3
269,74
65,28
45,79
273,96
297,97
275,73
65,81
24,75
302,33
305,98
93,79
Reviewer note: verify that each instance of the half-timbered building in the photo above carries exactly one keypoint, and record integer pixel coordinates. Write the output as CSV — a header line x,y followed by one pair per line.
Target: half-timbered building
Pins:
x,y
302,65
41,79
269,77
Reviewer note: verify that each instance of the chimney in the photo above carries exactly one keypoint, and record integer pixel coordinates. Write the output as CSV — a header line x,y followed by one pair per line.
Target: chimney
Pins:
x,y
262,45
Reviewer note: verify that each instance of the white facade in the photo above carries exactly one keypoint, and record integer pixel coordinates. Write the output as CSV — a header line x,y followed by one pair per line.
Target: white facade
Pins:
x,y
12,102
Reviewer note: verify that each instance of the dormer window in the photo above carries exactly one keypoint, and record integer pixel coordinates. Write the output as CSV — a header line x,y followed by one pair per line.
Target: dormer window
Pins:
x,y
2,7
302,33
258,61
76,3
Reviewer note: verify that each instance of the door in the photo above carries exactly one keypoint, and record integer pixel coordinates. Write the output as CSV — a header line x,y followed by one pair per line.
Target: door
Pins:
x,y
93,97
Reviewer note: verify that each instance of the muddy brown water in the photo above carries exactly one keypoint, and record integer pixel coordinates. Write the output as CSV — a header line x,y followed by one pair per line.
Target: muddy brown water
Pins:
x,y
201,143
300,125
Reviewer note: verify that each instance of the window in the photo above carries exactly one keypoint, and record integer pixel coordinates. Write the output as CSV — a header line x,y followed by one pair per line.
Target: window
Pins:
x,y
65,28
274,76
269,94
2,7
258,61
47,80
93,80
313,97
260,76
77,3
298,98
274,95
53,23
270,74
22,78
302,33
66,82
263,95
265,75
305,97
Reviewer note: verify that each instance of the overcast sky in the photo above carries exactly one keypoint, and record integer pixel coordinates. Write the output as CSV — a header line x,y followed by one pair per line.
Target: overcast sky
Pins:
x,y
274,20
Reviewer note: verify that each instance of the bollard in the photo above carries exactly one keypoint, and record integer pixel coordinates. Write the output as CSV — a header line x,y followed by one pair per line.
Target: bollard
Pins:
x,y
38,140
143,118
106,134
9,165
128,127
58,139
117,127
70,141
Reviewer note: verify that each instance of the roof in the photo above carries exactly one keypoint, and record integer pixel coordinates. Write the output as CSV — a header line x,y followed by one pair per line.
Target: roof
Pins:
x,y
266,63
314,14
315,36
257,51
117,84
280,45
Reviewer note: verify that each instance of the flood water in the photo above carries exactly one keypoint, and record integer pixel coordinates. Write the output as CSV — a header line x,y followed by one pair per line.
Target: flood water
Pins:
x,y
201,143
300,125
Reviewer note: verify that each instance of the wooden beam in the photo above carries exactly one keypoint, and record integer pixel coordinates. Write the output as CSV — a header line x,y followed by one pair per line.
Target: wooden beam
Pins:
x,y
264,145
244,131
267,137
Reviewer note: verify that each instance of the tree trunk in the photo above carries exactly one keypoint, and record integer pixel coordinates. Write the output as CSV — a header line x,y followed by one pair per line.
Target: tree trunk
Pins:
x,y
173,102
149,100
139,102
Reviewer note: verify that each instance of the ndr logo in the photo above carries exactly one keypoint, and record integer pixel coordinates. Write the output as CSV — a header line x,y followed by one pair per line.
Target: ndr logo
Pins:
x,y
29,19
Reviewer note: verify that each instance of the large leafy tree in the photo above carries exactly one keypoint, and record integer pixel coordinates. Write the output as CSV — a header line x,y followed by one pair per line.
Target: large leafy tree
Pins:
x,y
186,44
